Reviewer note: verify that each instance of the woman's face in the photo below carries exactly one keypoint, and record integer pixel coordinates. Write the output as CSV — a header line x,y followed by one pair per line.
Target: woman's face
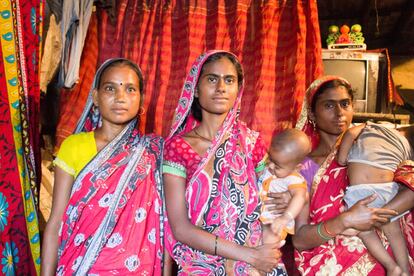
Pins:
x,y
118,97
217,87
333,111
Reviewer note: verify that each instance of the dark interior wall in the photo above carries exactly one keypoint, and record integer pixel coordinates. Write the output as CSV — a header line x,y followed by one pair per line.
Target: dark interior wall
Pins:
x,y
385,23
403,75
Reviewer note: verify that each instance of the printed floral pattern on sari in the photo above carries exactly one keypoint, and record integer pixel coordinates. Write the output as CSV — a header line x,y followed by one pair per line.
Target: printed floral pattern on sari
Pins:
x,y
113,223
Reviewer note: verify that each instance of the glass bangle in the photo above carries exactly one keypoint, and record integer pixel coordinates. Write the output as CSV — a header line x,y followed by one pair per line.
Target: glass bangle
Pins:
x,y
320,232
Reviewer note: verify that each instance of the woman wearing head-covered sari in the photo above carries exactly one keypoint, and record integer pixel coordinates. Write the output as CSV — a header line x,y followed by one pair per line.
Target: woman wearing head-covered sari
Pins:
x,y
107,211
210,164
325,239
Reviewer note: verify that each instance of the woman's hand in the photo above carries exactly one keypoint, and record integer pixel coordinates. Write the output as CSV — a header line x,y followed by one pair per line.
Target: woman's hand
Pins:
x,y
363,218
277,202
266,257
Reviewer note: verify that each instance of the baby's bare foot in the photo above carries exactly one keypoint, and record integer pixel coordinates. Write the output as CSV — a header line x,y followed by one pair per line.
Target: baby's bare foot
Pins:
x,y
396,271
404,273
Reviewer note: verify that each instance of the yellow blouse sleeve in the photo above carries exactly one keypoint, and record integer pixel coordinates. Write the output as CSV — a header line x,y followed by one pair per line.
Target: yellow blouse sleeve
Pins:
x,y
75,152
64,159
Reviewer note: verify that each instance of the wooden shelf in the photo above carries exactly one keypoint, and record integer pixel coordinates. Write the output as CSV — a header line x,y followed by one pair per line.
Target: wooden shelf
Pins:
x,y
403,119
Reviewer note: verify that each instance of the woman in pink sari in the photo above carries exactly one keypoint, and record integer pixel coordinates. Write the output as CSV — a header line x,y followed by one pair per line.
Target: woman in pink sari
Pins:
x,y
325,241
210,164
107,210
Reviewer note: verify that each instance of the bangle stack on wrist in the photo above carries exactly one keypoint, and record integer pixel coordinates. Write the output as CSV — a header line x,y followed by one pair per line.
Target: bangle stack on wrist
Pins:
x,y
320,234
332,235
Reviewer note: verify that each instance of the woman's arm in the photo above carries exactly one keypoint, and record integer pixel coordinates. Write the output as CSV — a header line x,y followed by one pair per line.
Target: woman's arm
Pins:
x,y
359,217
167,270
263,257
61,194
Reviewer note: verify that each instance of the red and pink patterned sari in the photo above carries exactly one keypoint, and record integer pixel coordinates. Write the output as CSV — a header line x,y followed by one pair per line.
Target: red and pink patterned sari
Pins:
x,y
343,255
113,221
221,190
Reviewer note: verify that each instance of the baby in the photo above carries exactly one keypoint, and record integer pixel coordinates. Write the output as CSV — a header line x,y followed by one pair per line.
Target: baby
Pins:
x,y
287,151
372,153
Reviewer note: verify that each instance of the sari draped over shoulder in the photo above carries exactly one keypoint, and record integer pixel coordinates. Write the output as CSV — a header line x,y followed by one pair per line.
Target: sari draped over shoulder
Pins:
x,y
405,175
343,255
113,220
222,194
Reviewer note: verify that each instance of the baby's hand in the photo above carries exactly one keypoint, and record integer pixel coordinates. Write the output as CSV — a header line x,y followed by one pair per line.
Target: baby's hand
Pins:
x,y
279,225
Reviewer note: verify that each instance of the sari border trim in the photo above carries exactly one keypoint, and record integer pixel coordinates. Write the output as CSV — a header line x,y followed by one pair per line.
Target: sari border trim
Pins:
x,y
324,166
62,164
174,169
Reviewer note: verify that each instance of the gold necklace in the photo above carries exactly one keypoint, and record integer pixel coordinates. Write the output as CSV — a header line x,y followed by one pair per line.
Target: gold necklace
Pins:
x,y
202,137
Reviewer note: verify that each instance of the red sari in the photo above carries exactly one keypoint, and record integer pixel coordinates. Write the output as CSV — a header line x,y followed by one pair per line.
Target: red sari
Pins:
x,y
221,191
343,255
113,220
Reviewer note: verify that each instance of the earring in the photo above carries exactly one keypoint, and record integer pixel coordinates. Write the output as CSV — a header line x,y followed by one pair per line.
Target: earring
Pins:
x,y
95,110
312,122
141,111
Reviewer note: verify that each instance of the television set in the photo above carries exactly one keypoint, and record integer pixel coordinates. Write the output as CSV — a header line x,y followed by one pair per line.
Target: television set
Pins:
x,y
365,71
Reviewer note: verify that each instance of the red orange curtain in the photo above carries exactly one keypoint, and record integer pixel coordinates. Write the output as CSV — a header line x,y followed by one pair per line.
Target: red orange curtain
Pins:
x,y
278,43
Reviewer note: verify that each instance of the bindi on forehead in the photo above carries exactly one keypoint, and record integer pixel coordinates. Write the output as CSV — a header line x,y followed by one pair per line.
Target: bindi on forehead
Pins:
x,y
120,83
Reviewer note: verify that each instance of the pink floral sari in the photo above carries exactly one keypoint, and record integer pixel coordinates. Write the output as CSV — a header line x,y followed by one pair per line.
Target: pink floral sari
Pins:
x,y
113,221
343,255
222,194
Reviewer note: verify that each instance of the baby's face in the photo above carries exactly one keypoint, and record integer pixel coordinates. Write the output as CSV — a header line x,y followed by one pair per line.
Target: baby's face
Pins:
x,y
280,163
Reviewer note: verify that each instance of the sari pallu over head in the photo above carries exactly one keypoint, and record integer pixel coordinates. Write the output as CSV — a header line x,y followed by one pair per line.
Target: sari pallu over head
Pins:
x,y
343,255
223,183
113,221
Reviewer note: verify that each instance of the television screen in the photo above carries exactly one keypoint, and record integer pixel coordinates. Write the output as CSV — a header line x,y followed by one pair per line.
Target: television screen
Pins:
x,y
355,72
367,72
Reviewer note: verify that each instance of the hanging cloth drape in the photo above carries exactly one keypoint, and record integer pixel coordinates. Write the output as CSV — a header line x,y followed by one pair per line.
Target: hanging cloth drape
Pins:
x,y
72,101
278,43
74,26
20,33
